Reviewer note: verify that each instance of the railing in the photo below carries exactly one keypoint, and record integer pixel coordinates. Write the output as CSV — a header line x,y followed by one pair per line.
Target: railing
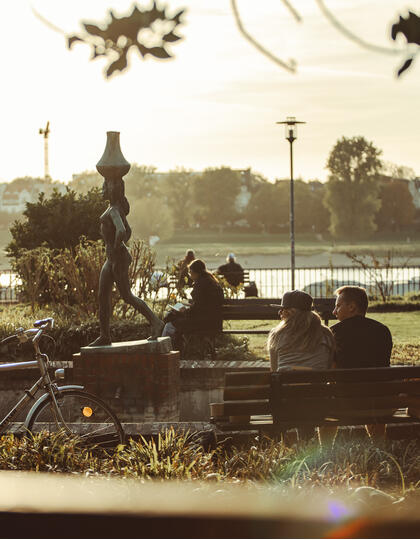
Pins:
x,y
273,282
323,281
9,282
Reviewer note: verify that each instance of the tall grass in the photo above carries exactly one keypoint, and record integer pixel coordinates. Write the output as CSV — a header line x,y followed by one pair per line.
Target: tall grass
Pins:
x,y
395,467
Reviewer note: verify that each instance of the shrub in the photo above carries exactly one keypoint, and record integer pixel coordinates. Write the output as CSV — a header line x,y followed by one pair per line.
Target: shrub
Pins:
x,y
69,278
69,333
57,222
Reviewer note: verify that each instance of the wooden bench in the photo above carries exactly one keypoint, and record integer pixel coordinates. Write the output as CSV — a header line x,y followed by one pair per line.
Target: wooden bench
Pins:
x,y
249,309
276,402
260,309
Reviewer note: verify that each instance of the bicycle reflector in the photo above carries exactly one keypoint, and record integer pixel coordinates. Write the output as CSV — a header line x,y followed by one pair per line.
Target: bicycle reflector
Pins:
x,y
87,411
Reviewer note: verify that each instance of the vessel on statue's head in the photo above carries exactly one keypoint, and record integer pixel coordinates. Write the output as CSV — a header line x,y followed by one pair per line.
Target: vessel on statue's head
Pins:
x,y
113,164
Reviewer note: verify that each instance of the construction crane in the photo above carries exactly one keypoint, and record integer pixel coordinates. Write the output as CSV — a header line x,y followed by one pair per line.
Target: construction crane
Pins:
x,y
46,132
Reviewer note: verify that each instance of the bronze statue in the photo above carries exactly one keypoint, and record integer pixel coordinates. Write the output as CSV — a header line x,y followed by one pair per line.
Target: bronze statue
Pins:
x,y
116,232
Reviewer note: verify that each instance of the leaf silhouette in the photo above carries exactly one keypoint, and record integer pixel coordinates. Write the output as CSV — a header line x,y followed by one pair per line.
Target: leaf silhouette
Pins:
x,y
71,40
94,30
410,27
171,37
405,66
159,52
128,27
119,65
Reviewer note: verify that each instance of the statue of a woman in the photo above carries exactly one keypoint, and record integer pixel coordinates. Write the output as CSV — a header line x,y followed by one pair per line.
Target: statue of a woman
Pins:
x,y
116,232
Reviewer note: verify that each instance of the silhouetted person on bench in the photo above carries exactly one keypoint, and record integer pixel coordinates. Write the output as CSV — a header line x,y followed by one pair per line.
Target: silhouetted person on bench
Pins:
x,y
205,311
232,271
184,279
360,342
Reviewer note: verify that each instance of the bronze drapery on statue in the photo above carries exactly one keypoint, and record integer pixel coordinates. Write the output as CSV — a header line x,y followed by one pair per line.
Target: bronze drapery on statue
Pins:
x,y
116,233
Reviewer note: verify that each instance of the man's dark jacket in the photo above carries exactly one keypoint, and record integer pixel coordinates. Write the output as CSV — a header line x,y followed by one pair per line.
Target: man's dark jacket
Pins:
x,y
205,312
362,343
233,273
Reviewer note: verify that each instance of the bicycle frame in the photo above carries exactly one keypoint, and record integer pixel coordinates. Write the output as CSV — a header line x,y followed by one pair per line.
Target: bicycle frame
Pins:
x,y
29,394
44,382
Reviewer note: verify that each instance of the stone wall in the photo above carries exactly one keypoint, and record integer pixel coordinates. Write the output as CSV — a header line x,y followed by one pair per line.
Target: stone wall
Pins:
x,y
202,383
150,390
138,387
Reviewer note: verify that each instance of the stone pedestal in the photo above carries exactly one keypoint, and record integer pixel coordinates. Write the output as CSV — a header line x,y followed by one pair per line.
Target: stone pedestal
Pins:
x,y
139,379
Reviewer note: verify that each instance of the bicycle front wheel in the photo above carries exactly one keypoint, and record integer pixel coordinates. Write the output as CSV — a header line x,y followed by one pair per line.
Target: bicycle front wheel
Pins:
x,y
84,415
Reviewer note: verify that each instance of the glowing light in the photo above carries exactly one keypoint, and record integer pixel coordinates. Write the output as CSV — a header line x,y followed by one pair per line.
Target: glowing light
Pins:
x,y
87,411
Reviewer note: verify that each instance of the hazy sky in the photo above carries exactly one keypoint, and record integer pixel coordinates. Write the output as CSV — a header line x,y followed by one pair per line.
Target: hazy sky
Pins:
x,y
217,102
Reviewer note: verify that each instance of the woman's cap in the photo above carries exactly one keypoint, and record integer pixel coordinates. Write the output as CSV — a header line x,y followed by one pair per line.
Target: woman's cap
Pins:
x,y
297,299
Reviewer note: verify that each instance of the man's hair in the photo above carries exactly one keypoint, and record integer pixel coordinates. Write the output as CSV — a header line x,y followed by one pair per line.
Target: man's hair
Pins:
x,y
354,294
198,266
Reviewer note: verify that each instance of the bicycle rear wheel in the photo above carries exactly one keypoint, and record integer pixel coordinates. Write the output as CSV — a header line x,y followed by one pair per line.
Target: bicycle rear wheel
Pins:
x,y
84,414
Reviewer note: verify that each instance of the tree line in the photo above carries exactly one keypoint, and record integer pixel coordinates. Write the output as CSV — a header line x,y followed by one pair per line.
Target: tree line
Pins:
x,y
362,195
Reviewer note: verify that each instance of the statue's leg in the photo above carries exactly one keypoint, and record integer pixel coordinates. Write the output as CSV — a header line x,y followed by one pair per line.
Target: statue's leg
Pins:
x,y
123,284
106,280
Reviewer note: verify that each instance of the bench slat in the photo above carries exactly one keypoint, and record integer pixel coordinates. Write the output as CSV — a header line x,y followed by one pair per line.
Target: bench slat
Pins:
x,y
351,389
315,407
232,393
246,378
240,408
251,332
347,375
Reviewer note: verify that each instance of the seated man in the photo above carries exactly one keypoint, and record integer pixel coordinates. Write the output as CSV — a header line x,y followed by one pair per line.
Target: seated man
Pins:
x,y
360,342
205,310
232,271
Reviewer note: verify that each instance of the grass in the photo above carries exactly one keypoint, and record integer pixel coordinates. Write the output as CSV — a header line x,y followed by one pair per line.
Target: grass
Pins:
x,y
263,463
404,328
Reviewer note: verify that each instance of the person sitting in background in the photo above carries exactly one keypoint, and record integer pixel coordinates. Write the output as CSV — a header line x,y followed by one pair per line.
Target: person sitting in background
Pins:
x,y
232,271
300,340
184,279
205,310
361,342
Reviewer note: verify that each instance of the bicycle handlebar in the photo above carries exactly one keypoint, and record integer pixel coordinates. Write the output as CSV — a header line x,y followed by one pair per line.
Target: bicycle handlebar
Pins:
x,y
38,330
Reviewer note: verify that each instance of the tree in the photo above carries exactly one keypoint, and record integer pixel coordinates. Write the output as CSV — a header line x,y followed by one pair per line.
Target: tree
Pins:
x,y
398,171
352,188
150,216
215,192
310,215
141,181
57,222
397,210
268,209
178,188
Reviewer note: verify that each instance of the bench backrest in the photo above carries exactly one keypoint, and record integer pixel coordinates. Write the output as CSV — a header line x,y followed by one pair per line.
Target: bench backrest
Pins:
x,y
297,395
261,308
342,392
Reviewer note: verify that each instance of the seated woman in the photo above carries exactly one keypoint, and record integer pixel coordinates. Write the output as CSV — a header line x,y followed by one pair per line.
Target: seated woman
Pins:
x,y
300,340
205,310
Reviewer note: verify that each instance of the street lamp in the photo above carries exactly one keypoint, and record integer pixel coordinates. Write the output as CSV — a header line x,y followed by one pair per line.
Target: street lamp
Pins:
x,y
290,125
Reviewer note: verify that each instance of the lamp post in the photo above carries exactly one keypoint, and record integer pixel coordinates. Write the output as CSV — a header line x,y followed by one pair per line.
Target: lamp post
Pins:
x,y
290,125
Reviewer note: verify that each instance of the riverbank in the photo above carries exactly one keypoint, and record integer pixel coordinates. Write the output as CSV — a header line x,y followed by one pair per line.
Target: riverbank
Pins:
x,y
273,250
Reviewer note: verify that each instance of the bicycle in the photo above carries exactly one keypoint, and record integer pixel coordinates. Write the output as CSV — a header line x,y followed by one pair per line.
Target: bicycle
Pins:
x,y
68,408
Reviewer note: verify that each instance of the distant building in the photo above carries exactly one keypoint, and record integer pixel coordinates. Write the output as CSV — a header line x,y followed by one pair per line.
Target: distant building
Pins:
x,y
15,195
414,188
